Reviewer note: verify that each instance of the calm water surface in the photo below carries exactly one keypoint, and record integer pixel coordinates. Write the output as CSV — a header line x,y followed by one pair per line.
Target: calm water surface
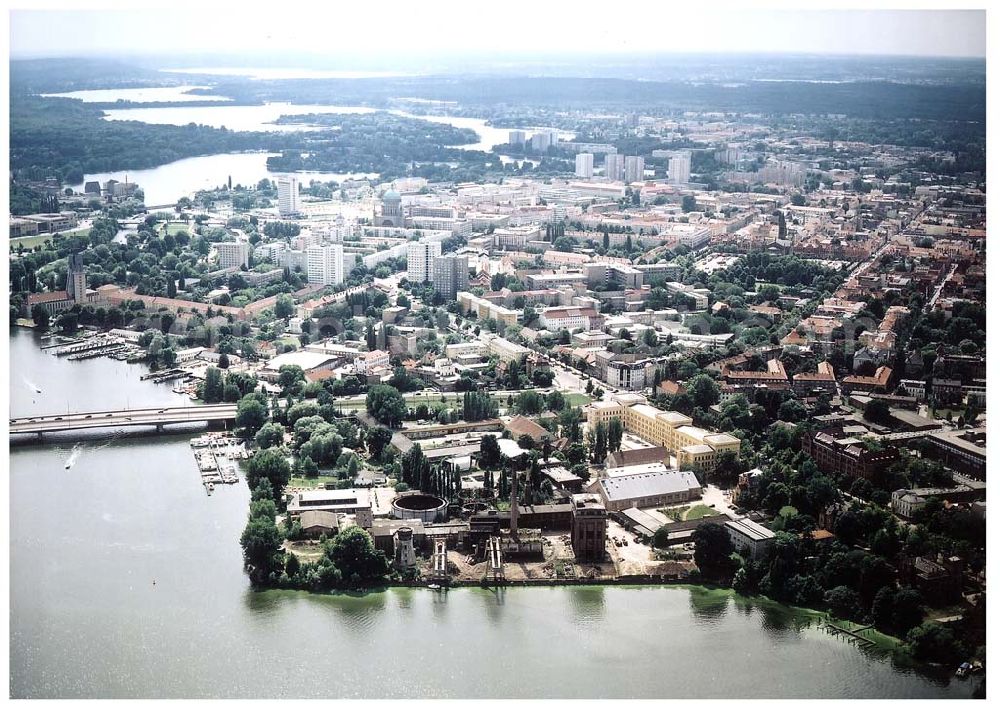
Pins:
x,y
87,619
139,95
167,183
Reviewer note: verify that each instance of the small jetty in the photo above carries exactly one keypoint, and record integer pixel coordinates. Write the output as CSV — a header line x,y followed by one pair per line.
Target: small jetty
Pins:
x,y
852,635
60,341
98,343
108,350
162,376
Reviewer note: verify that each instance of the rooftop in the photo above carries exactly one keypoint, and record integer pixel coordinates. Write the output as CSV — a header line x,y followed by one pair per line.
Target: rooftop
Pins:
x,y
647,485
750,529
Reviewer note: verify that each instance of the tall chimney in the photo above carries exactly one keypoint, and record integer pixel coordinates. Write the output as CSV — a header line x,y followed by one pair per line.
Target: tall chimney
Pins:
x,y
513,503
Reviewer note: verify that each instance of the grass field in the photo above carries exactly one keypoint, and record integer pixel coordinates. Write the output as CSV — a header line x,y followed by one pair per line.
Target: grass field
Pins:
x,y
699,511
173,227
578,399
29,242
309,482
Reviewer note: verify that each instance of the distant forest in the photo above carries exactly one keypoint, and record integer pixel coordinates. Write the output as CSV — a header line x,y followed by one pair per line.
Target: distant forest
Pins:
x,y
67,138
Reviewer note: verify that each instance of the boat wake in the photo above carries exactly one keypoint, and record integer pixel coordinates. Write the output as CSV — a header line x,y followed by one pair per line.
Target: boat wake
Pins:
x,y
31,385
74,455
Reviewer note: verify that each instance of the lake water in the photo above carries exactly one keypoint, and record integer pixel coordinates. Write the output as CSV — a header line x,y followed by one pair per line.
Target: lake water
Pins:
x,y
261,118
272,73
87,620
139,95
168,183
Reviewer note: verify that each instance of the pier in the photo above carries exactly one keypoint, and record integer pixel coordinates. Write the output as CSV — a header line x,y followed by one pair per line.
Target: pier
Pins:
x,y
852,635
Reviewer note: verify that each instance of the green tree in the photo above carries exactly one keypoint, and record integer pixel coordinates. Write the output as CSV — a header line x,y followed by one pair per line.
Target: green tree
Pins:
x,y
529,403
272,466
292,565
932,641
284,306
289,375
877,411
386,405
844,602
261,541
251,415
489,451
688,203
270,435
40,317
599,449
377,439
712,551
615,432
703,390
213,391
353,553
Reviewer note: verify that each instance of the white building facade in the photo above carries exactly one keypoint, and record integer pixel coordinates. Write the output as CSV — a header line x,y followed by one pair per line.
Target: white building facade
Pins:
x,y
325,264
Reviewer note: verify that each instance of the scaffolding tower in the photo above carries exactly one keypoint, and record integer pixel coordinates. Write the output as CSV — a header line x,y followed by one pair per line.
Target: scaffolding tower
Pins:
x,y
495,572
440,561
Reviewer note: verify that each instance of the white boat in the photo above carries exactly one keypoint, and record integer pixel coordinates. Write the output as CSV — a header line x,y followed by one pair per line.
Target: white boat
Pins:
x,y
434,586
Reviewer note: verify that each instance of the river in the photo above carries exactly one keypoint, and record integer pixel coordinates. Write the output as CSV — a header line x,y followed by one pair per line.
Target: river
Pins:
x,y
87,620
167,183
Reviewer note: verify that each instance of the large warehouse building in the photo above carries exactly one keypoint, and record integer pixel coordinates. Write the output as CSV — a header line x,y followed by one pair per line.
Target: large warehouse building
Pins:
x,y
647,489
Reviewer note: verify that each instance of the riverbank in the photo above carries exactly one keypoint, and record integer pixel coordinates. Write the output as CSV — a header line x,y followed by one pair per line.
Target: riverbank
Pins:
x,y
128,522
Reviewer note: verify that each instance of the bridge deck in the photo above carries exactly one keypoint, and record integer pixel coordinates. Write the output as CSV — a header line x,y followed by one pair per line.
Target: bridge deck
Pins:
x,y
123,418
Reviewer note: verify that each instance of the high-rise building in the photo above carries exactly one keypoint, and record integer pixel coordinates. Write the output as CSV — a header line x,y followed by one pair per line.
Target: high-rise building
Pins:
x,y
288,196
614,167
392,209
451,275
420,261
540,141
585,165
680,168
634,169
76,278
233,254
516,137
325,264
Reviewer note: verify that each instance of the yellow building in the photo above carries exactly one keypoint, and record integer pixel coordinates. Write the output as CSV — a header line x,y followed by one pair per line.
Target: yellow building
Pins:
x,y
486,310
695,448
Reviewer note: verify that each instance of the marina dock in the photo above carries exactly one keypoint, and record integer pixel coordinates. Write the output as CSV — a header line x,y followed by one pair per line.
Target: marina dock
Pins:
x,y
216,456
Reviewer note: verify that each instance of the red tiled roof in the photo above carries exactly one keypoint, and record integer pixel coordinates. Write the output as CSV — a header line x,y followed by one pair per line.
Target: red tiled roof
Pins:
x,y
57,296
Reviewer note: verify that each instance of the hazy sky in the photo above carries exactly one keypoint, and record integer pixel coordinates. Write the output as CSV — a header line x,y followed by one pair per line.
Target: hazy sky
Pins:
x,y
384,27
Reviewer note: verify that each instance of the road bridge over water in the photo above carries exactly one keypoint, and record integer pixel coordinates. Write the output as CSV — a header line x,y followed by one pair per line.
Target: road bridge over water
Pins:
x,y
152,417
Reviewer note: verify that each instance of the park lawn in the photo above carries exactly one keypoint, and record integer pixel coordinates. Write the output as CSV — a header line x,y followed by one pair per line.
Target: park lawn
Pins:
x,y
310,482
577,399
699,511
175,227
31,241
